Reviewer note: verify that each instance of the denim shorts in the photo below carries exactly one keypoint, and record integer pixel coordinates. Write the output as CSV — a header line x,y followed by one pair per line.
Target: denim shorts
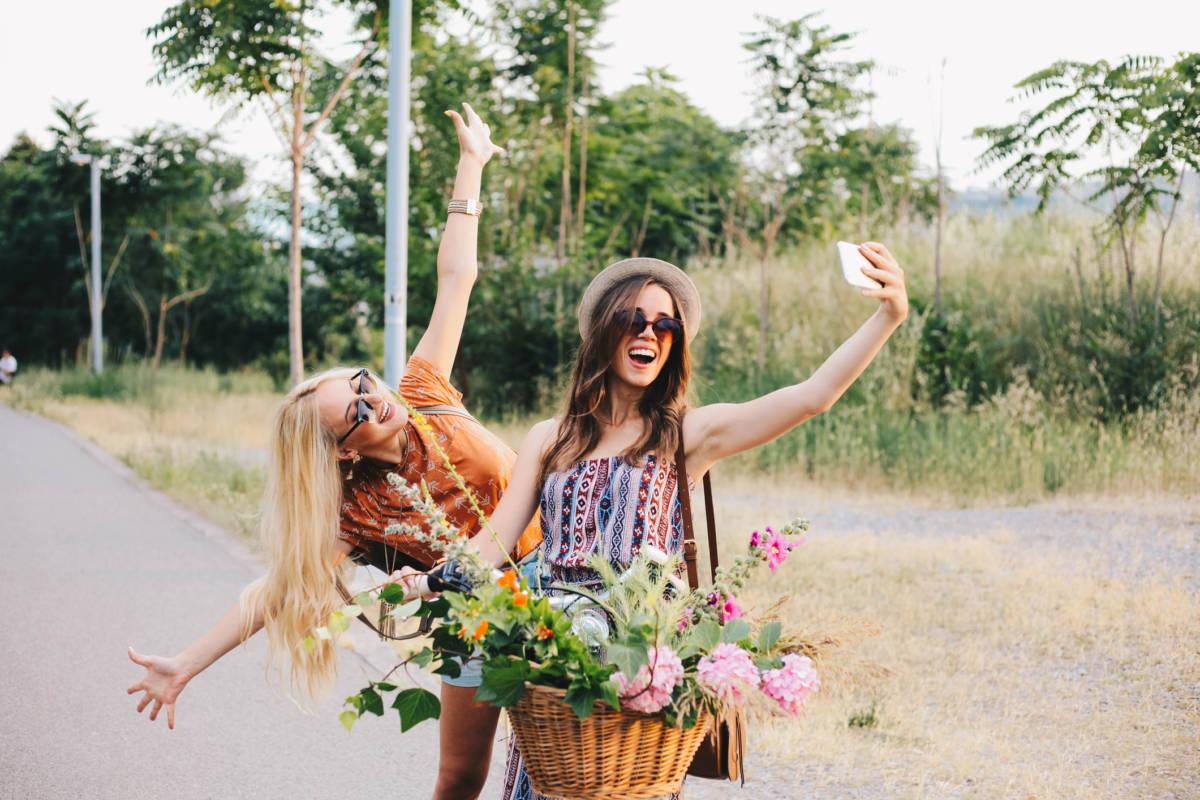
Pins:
x,y
471,676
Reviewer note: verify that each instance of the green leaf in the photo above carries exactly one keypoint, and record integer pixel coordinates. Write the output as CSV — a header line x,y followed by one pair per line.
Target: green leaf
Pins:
x,y
392,593
371,701
309,643
581,697
407,610
628,658
381,686
735,630
768,635
423,658
611,694
503,684
416,706
348,718
706,634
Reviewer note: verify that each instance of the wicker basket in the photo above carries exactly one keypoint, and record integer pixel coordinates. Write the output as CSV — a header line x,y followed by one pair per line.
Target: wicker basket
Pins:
x,y
611,755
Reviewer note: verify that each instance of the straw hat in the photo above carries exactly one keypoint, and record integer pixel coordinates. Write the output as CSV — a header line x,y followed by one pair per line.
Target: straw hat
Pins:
x,y
672,277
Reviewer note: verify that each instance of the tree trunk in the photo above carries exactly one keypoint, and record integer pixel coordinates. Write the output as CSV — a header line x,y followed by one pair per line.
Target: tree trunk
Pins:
x,y
1162,244
564,214
583,156
295,344
764,305
144,310
162,331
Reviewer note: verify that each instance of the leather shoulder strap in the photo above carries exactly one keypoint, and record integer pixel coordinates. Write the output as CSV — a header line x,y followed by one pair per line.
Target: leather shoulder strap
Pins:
x,y
685,501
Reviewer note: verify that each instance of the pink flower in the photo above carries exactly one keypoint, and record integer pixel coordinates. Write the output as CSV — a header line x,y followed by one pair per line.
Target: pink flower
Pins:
x,y
686,619
755,539
778,546
730,610
728,672
791,684
713,598
651,688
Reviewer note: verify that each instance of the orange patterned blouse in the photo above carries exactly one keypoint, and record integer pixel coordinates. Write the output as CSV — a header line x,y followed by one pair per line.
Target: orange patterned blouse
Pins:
x,y
369,505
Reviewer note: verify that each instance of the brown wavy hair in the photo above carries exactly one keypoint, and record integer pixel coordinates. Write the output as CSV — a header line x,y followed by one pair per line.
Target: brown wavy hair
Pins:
x,y
661,405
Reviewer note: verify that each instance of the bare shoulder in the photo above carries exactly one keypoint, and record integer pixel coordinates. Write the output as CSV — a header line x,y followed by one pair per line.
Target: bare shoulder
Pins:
x,y
541,435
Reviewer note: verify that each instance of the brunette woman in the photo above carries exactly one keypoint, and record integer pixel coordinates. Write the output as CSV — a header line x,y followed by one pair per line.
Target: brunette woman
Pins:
x,y
603,474
334,438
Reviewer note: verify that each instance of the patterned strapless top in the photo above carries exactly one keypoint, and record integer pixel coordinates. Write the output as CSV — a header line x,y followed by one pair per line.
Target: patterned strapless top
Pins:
x,y
605,505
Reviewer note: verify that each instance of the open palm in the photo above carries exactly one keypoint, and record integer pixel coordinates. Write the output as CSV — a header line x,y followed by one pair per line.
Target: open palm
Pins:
x,y
162,683
474,135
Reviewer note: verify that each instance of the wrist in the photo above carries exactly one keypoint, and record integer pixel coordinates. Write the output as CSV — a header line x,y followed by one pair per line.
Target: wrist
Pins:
x,y
468,161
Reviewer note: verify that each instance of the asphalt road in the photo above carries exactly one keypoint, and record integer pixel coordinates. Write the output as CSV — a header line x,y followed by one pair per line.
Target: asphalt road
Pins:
x,y
92,562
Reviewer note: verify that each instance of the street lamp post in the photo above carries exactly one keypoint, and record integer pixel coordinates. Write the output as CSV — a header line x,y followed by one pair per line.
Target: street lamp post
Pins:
x,y
97,309
395,288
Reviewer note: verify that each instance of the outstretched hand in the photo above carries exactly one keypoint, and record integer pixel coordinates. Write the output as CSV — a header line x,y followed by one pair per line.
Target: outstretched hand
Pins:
x,y
474,136
162,683
893,297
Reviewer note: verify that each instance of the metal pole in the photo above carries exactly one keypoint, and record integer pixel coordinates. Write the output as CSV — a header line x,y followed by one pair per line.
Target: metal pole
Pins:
x,y
97,309
395,299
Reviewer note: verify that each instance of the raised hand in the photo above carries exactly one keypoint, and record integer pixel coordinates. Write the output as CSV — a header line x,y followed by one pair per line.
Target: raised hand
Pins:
x,y
893,297
162,683
474,136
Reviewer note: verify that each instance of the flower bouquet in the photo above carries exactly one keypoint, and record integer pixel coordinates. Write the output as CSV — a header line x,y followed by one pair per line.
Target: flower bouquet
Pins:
x,y
598,678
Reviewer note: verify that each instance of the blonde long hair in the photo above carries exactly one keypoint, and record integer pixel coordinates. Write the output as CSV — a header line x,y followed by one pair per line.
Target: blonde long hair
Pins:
x,y
300,515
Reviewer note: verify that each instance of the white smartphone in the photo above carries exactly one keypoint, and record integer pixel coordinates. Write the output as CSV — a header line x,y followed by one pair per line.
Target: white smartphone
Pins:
x,y
852,264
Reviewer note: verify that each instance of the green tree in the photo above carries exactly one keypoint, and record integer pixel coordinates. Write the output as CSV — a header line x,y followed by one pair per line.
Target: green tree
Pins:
x,y
242,51
1138,117
808,95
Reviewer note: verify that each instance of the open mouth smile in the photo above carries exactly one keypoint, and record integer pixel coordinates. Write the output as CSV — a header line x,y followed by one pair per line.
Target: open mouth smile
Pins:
x,y
642,357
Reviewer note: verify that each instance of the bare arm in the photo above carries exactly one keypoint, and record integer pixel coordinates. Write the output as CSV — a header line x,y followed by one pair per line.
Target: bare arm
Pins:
x,y
520,499
720,430
166,677
456,262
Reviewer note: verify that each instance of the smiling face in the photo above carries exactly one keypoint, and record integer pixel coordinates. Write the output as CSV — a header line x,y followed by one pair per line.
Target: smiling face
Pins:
x,y
641,356
381,434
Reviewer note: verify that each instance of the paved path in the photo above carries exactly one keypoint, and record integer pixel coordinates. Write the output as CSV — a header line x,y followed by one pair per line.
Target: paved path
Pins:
x,y
92,562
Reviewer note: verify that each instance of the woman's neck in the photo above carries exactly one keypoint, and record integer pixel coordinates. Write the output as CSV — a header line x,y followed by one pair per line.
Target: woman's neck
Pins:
x,y
622,402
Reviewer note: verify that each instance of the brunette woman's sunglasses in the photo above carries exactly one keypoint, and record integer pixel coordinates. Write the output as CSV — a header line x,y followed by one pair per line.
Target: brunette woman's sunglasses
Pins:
x,y
363,410
637,323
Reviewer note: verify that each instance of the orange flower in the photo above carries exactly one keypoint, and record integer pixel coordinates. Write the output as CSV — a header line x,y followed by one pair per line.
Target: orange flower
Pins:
x,y
509,581
544,633
481,631
521,599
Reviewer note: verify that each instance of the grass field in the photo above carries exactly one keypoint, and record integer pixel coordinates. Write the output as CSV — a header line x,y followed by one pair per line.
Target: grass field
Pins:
x,y
1007,662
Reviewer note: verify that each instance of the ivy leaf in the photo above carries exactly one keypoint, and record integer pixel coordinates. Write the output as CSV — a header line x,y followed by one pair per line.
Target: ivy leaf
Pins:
x,y
423,658
611,695
628,658
735,630
392,593
449,667
371,701
581,697
348,718
768,635
416,706
382,686
309,643
503,684
407,610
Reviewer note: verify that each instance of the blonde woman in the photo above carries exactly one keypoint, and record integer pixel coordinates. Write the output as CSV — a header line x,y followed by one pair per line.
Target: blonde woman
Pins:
x,y
333,440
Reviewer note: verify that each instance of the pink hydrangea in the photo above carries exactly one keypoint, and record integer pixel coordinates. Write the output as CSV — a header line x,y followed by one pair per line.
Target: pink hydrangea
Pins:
x,y
728,672
791,684
777,547
730,609
651,688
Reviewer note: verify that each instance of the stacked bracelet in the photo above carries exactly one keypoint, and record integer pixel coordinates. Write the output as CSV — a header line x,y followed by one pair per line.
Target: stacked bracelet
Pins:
x,y
472,207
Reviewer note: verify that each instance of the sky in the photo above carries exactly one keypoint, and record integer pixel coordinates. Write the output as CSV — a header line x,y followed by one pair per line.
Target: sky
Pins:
x,y
72,50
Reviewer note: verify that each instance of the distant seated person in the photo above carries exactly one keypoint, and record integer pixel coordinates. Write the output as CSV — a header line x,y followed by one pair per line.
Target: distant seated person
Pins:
x,y
8,367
